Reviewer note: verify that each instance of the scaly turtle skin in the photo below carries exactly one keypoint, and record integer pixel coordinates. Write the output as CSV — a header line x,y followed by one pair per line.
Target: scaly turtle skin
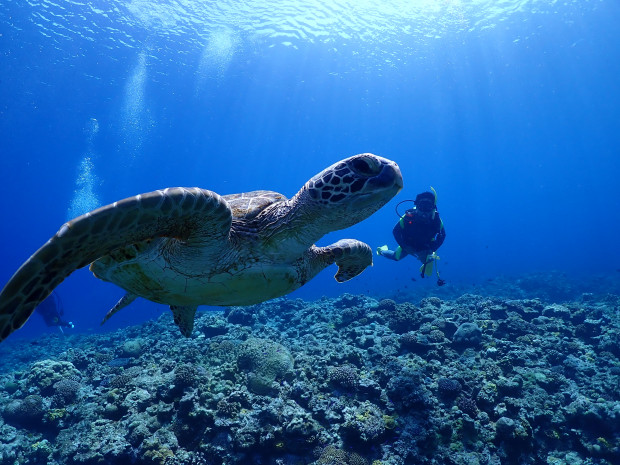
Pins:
x,y
186,247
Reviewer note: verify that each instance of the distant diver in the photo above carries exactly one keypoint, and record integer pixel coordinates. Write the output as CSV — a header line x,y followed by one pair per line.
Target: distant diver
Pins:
x,y
52,312
419,232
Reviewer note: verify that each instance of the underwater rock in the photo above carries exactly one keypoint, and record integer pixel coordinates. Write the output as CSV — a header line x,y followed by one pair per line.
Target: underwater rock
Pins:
x,y
365,423
348,384
331,455
432,304
447,327
610,342
215,326
119,362
467,405
266,361
557,311
505,427
350,315
467,335
509,387
185,375
345,376
348,301
405,317
416,342
133,348
406,391
228,408
513,327
159,448
487,397
44,374
597,418
387,306
137,400
498,312
25,412
589,329
244,316
65,392
448,388
515,434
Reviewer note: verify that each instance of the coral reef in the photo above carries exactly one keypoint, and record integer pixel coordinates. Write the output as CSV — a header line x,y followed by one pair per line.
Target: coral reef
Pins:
x,y
476,379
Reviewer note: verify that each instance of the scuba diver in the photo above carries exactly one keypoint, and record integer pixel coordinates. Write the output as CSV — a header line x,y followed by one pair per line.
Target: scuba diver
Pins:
x,y
419,232
51,311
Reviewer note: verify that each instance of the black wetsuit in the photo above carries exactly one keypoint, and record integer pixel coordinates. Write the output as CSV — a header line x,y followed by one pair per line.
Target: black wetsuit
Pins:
x,y
417,234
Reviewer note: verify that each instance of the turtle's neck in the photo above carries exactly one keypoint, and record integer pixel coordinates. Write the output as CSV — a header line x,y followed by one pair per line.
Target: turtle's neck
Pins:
x,y
293,225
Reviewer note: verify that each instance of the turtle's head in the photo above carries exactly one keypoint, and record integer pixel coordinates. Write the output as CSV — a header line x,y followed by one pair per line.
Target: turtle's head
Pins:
x,y
353,189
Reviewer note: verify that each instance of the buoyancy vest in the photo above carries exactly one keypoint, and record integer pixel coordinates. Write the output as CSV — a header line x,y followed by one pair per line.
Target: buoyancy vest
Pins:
x,y
414,233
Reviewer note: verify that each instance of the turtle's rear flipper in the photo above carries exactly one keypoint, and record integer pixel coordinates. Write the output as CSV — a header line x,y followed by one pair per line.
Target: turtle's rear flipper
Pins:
x,y
351,256
184,318
122,303
189,214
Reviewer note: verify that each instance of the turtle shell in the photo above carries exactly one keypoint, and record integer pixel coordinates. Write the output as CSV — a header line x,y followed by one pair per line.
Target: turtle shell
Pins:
x,y
249,204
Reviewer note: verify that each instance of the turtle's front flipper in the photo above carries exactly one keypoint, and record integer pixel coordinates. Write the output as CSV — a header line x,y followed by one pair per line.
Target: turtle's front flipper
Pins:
x,y
351,256
189,214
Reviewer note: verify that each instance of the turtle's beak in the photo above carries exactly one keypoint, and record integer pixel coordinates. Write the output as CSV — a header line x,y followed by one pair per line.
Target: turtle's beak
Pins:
x,y
399,180
380,188
389,178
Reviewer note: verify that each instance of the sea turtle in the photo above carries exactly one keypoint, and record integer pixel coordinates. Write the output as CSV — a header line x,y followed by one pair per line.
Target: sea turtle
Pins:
x,y
186,247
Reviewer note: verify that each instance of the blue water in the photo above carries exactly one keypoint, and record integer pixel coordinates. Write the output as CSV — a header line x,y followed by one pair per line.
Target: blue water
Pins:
x,y
510,110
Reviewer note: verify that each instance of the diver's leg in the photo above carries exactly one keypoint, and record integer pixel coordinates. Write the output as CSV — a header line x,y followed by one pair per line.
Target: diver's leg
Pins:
x,y
395,255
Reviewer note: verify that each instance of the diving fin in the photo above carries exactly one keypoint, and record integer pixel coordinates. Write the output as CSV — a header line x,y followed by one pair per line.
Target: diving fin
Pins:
x,y
427,268
382,249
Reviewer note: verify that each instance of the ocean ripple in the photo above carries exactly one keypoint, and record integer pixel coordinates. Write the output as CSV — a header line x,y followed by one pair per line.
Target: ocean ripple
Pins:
x,y
316,20
388,31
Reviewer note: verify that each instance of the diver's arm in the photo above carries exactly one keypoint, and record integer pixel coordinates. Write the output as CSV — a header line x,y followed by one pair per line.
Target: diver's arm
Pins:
x,y
441,236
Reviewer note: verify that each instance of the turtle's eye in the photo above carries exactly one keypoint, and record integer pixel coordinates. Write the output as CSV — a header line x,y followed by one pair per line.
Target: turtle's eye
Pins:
x,y
365,166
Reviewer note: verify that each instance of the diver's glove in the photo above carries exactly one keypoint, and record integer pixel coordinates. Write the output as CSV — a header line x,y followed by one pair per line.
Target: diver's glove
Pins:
x,y
383,248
